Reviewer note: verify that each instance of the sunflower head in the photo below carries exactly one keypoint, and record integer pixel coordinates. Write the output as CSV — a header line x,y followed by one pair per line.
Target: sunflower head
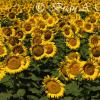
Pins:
x,y
16,63
53,87
73,55
73,42
94,40
95,52
38,52
50,49
74,69
90,70
13,40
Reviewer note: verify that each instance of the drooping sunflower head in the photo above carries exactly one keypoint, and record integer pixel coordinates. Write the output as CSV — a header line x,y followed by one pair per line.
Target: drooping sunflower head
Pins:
x,y
90,70
50,49
62,69
53,87
73,42
38,52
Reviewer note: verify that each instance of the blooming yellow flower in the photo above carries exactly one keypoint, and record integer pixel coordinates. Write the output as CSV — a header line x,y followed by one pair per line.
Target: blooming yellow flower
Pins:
x,y
38,52
90,70
50,49
94,40
73,42
15,64
54,88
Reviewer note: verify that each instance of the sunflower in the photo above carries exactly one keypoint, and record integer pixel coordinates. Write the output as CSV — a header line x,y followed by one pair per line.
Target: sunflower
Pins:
x,y
74,68
19,49
95,52
79,23
7,32
15,64
67,32
36,40
88,27
45,15
94,40
3,50
73,42
12,41
48,35
27,27
91,19
38,52
50,49
2,72
73,55
51,21
53,87
62,70
90,70
74,28
12,15
41,23
19,33
32,20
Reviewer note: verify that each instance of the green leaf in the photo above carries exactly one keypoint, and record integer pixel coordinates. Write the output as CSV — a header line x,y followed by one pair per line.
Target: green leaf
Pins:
x,y
5,96
21,92
34,90
31,97
44,98
73,88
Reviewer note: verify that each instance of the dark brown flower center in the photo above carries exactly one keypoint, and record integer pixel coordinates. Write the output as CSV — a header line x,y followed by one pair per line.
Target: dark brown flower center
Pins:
x,y
18,49
13,63
67,31
74,69
37,40
94,40
38,50
7,31
49,48
53,87
72,41
89,68
13,41
12,15
96,51
27,26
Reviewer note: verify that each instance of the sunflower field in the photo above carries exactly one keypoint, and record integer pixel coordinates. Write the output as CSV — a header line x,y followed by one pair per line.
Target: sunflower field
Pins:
x,y
49,50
